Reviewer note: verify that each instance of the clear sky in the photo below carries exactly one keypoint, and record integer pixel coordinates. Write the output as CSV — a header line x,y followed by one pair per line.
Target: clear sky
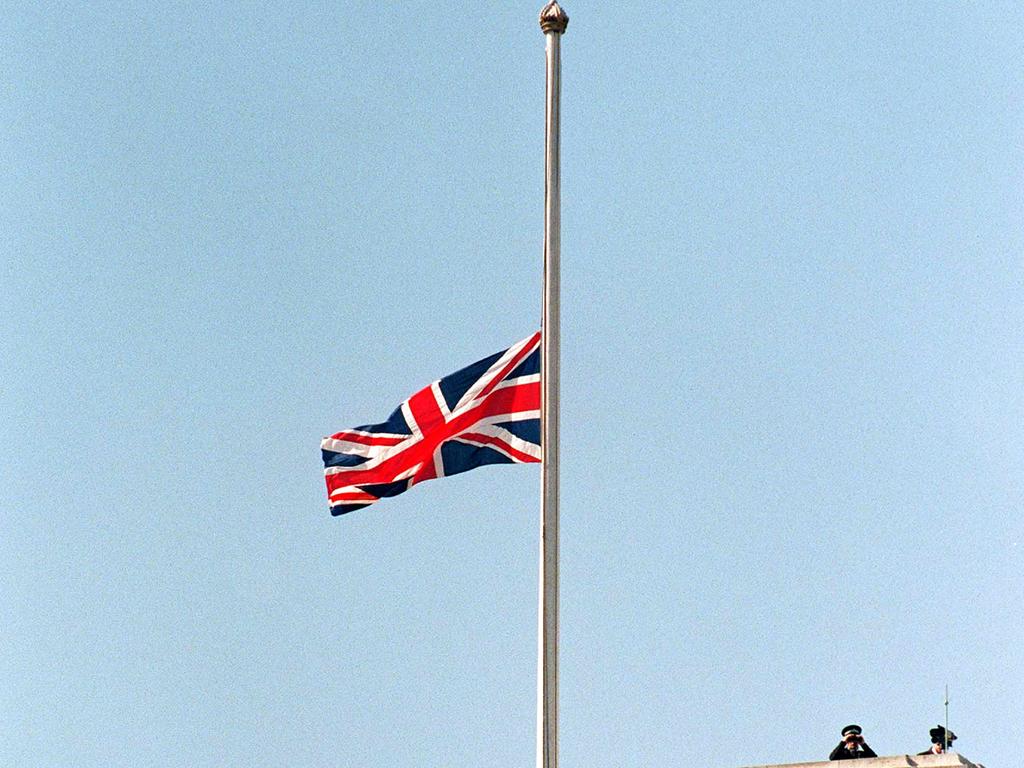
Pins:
x,y
793,413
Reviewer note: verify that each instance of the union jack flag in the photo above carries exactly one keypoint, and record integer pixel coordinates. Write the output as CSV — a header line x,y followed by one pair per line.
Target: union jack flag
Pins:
x,y
487,413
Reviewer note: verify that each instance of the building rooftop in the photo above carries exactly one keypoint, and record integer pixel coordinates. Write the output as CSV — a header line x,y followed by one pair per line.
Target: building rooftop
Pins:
x,y
948,760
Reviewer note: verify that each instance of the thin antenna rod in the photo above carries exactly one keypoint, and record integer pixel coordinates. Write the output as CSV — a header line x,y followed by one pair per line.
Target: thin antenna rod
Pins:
x,y
945,735
553,21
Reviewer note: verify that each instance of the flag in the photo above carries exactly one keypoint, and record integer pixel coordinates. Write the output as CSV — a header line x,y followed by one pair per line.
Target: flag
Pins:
x,y
486,413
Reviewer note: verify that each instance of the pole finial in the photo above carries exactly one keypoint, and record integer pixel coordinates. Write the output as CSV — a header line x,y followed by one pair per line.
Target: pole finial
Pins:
x,y
553,19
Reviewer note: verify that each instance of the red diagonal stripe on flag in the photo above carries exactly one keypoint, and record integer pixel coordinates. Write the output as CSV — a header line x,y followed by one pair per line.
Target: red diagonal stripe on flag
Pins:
x,y
364,439
516,454
511,366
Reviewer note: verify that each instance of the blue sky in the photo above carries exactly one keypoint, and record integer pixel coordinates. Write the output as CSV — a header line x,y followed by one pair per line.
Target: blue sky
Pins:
x,y
793,415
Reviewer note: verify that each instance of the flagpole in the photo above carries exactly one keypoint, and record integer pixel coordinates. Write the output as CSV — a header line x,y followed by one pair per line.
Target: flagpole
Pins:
x,y
553,21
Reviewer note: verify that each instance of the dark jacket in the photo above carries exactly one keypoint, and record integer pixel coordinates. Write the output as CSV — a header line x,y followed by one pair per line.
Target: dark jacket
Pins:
x,y
842,753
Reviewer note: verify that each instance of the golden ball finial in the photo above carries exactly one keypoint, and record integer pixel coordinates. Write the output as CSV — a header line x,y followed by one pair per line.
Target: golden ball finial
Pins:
x,y
553,19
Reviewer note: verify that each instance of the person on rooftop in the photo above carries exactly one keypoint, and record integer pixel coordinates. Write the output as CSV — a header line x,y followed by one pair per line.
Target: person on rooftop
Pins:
x,y
853,746
940,738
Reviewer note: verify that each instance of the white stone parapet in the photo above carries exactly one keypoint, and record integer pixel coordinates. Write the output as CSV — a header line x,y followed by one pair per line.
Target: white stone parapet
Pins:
x,y
948,760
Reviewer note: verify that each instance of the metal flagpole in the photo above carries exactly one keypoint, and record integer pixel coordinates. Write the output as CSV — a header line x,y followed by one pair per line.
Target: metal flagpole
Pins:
x,y
553,21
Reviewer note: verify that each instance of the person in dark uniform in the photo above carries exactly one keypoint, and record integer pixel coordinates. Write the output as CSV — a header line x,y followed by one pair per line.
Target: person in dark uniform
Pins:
x,y
940,737
853,746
